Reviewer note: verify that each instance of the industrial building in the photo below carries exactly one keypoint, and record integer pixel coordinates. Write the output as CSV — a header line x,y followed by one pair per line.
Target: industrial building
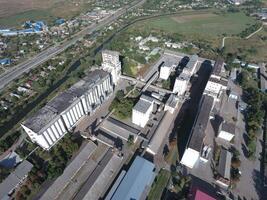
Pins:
x,y
14,179
111,63
135,184
142,111
195,145
62,113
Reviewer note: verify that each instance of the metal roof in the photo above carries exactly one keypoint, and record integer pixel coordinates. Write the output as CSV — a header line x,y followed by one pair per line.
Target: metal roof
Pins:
x,y
200,125
137,180
15,178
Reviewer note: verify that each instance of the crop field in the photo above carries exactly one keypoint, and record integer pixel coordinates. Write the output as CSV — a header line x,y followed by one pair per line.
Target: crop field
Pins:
x,y
203,25
14,12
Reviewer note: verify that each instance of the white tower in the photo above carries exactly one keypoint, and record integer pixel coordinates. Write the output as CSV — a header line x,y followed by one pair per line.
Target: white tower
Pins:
x,y
112,64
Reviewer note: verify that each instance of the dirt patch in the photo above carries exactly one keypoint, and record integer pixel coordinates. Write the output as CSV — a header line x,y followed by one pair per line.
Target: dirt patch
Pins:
x,y
183,19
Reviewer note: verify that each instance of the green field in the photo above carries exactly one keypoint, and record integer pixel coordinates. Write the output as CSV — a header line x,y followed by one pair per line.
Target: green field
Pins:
x,y
206,25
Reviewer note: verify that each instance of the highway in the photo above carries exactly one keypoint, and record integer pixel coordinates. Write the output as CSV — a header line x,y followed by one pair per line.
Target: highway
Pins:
x,y
18,70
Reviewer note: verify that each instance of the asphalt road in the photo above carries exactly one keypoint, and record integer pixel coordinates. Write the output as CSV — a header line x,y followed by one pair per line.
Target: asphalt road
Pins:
x,y
47,54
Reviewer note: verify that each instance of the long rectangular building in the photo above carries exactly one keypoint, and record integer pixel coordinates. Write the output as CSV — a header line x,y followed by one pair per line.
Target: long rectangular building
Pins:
x,y
61,114
195,144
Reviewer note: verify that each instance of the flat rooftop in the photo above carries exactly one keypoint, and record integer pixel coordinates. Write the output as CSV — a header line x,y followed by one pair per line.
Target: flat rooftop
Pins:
x,y
201,122
118,129
143,104
63,100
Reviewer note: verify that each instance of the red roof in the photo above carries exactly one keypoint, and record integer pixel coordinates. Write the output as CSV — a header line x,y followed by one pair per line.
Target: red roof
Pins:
x,y
202,196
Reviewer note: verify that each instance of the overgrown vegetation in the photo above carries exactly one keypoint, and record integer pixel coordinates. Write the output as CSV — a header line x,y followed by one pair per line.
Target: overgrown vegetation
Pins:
x,y
254,115
121,106
47,164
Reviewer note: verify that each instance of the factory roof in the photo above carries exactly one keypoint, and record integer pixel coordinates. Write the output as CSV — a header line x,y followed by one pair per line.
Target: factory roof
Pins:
x,y
225,163
15,178
143,104
217,69
228,127
63,100
137,180
198,131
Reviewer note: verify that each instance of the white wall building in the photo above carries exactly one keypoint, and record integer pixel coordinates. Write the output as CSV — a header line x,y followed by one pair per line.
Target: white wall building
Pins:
x,y
142,110
63,112
180,84
111,63
165,72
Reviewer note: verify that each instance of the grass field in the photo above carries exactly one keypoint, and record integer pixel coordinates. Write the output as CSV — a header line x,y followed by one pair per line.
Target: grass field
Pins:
x,y
252,49
15,12
205,25
159,185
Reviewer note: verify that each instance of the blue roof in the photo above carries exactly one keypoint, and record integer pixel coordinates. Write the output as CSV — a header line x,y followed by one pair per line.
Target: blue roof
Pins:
x,y
5,61
138,178
60,21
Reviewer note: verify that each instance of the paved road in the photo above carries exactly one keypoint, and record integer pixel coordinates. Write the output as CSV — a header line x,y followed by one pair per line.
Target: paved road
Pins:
x,y
47,54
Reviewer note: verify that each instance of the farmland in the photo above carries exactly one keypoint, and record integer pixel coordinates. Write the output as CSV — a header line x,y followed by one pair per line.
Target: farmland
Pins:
x,y
14,12
204,25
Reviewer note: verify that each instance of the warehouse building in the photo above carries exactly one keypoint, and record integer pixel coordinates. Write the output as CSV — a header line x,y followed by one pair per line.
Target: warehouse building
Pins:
x,y
111,63
136,183
63,112
197,136
142,111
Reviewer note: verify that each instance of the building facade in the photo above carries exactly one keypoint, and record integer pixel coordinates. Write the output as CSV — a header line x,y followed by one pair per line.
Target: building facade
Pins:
x,y
62,113
111,63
